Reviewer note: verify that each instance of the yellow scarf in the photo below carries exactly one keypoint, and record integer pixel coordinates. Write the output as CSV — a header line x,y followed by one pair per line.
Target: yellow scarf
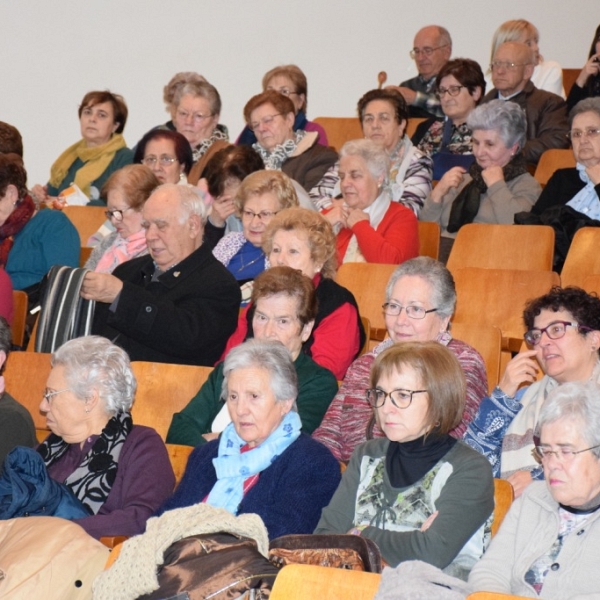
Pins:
x,y
96,161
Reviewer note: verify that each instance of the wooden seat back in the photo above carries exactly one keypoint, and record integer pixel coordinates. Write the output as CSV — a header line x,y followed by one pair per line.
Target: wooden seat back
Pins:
x,y
524,247
583,258
429,239
503,498
550,161
20,303
86,219
340,130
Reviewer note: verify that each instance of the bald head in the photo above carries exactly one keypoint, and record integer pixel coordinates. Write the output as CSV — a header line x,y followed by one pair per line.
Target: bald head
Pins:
x,y
437,41
512,67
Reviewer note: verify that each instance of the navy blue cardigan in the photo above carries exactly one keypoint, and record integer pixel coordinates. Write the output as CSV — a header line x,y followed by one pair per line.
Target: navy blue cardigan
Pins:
x,y
288,496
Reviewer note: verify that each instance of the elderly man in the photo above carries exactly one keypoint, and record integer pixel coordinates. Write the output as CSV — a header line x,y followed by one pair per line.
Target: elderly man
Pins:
x,y
431,51
178,304
547,124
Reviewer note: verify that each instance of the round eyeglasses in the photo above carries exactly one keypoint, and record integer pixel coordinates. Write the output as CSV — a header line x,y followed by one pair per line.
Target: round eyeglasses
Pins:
x,y
400,398
554,331
412,312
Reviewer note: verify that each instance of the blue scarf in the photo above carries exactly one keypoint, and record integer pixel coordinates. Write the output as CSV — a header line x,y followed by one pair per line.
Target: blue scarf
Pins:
x,y
233,467
585,200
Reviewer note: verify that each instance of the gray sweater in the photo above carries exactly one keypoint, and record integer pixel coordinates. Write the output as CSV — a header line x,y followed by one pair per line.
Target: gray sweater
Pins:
x,y
460,486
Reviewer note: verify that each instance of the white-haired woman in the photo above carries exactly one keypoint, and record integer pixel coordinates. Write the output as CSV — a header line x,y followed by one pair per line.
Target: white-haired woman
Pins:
x,y
496,186
261,463
371,228
119,471
548,543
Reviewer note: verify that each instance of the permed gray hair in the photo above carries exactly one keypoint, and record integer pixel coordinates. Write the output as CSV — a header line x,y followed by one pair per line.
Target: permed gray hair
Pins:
x,y
200,89
95,363
270,355
436,275
503,116
583,106
577,402
375,156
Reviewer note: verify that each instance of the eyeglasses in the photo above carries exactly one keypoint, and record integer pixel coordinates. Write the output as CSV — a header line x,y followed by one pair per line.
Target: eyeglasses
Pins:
x,y
263,215
452,90
47,395
376,397
196,117
427,51
117,215
283,91
412,312
577,134
266,121
163,161
507,66
554,331
565,454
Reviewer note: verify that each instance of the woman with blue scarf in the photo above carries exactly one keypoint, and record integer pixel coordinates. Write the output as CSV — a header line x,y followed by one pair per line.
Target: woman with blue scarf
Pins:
x,y
571,198
261,463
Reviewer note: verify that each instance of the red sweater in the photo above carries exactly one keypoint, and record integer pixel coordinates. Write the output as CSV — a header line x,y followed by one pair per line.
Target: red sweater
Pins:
x,y
394,241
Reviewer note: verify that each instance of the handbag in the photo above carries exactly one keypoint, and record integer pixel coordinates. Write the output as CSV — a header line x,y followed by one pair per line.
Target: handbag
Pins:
x,y
340,551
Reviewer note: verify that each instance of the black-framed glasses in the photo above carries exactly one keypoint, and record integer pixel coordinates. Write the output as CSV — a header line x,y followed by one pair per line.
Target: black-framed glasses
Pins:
x,y
554,331
427,51
117,214
412,312
400,398
562,454
451,90
163,161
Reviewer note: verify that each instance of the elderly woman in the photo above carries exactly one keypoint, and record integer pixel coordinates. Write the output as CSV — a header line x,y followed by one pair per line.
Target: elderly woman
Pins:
x,y
119,471
261,463
126,191
383,117
496,186
572,195
260,197
285,307
371,228
101,151
302,239
548,543
271,116
547,74
419,302
31,241
460,87
290,81
167,154
418,493
587,84
220,183
563,330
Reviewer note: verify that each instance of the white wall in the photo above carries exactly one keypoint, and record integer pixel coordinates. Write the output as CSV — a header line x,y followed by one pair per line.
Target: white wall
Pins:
x,y
54,52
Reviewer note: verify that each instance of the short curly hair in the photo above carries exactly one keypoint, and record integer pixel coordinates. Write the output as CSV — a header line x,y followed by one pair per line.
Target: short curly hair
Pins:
x,y
467,72
584,306
295,75
282,104
318,230
178,81
12,172
395,98
10,139
261,182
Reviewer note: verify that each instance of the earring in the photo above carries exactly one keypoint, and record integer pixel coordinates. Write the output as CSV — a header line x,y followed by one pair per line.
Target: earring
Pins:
x,y
182,177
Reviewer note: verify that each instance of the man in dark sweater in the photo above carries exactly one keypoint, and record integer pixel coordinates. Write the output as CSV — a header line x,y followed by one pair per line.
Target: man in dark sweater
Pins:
x,y
176,305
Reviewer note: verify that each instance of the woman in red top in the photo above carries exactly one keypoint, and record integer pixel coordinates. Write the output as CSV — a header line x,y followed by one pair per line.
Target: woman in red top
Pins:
x,y
370,227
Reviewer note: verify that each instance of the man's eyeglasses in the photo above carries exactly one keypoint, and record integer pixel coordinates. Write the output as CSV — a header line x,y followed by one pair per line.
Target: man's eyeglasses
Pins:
x,y
427,51
507,66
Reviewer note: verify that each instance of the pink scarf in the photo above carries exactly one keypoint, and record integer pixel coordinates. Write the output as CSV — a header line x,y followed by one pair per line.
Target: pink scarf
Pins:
x,y
122,249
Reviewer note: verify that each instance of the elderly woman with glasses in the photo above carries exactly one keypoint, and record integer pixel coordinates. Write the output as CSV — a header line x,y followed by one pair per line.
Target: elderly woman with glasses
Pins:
x,y
419,303
167,154
126,192
120,472
271,116
548,543
417,492
496,186
563,331
290,81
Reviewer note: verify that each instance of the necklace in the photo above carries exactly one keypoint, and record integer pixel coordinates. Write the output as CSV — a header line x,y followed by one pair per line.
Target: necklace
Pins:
x,y
245,266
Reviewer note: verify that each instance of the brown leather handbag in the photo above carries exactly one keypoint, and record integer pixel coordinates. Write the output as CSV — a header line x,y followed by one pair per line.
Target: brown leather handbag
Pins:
x,y
341,551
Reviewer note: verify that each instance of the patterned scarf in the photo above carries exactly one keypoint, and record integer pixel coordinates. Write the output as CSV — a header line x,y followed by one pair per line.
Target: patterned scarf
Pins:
x,y
233,467
122,250
17,219
200,150
466,205
93,479
275,158
95,162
